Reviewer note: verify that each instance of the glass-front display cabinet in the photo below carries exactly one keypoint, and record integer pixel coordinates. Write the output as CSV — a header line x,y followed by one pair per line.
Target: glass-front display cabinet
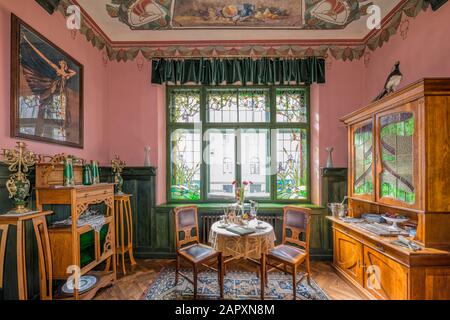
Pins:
x,y
398,157
362,182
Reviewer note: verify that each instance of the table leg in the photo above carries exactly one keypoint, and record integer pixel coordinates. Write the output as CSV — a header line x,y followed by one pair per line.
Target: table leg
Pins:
x,y
21,262
130,232
122,235
4,229
262,269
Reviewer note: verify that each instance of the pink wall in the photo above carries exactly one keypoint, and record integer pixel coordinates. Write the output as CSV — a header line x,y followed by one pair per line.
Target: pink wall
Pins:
x,y
341,94
95,78
424,53
136,118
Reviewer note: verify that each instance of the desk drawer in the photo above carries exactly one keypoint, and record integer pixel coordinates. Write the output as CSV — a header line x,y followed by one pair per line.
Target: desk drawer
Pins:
x,y
97,193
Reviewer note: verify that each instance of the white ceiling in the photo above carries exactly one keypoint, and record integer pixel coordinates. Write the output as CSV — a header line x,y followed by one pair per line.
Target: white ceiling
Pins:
x,y
118,31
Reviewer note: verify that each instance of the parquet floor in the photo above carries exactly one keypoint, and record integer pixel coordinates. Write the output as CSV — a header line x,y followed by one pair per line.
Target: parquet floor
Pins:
x,y
138,278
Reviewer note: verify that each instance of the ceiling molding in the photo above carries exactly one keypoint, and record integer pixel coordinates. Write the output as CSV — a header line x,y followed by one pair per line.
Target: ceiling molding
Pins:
x,y
346,49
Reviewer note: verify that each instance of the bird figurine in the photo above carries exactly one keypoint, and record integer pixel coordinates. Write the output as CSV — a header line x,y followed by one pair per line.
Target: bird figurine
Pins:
x,y
392,82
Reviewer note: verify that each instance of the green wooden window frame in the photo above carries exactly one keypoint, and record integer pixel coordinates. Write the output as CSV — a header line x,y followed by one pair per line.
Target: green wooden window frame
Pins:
x,y
205,125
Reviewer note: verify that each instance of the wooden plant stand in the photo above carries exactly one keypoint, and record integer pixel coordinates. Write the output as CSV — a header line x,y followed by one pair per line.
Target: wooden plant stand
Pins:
x,y
123,208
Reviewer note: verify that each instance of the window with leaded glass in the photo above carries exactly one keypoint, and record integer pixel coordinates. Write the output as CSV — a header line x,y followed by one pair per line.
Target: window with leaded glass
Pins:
x,y
224,134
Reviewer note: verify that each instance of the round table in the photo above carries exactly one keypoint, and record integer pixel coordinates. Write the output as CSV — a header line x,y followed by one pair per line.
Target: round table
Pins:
x,y
243,247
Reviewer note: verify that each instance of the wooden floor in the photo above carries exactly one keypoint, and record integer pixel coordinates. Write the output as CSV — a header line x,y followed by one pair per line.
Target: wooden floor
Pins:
x,y
138,278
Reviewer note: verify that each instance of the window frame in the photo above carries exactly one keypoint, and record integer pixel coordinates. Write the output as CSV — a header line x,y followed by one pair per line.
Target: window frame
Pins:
x,y
271,126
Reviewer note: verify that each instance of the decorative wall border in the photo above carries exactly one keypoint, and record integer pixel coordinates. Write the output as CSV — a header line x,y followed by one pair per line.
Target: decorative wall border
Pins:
x,y
353,50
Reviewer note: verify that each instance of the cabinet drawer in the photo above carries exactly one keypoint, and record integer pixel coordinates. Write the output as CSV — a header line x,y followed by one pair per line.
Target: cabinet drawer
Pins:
x,y
348,255
97,193
384,278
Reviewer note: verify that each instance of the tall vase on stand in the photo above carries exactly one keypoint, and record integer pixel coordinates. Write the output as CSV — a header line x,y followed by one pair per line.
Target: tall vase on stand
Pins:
x,y
117,168
147,161
329,157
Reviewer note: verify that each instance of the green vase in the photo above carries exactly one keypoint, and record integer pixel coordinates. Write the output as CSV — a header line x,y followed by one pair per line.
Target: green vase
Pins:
x,y
95,172
87,175
68,173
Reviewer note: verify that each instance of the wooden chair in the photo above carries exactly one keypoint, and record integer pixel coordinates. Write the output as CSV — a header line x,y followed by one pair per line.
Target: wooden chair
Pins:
x,y
293,251
190,249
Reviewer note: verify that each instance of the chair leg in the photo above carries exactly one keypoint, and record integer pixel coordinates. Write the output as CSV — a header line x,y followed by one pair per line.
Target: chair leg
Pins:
x,y
195,281
177,270
220,274
308,270
294,281
285,269
263,274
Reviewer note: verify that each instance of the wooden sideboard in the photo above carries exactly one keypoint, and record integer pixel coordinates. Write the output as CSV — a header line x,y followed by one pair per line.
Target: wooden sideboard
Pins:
x,y
383,270
399,159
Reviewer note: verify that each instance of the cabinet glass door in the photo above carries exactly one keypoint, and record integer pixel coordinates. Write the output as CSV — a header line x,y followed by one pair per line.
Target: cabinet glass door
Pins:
x,y
400,157
397,156
363,182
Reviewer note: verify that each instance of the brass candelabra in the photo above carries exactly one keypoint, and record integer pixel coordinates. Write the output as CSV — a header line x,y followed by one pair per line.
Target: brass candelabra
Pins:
x,y
19,161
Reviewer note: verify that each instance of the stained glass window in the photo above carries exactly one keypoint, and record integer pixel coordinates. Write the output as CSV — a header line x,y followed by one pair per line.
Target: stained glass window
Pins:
x,y
184,106
292,163
291,105
243,105
397,178
224,134
185,163
363,159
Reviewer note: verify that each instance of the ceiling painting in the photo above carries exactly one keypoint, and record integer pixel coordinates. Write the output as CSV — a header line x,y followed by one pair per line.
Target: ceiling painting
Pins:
x,y
135,29
229,14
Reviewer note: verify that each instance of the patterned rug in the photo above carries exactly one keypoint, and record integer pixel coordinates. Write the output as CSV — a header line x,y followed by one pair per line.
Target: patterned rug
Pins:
x,y
239,285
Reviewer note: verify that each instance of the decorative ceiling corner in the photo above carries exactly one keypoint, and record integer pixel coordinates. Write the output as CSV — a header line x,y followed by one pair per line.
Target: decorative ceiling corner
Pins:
x,y
224,28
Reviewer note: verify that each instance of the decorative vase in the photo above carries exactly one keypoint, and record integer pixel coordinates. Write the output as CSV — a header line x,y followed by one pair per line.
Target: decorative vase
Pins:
x,y
95,172
87,175
118,181
147,161
19,161
68,172
330,157
117,167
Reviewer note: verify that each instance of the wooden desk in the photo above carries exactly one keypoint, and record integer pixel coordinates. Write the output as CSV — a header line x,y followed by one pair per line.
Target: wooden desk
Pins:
x,y
40,227
65,241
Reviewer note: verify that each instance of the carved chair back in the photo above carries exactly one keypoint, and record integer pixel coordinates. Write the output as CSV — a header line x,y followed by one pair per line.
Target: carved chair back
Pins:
x,y
297,222
186,226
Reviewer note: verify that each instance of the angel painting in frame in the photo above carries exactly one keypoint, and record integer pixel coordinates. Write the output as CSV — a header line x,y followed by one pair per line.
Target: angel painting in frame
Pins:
x,y
46,90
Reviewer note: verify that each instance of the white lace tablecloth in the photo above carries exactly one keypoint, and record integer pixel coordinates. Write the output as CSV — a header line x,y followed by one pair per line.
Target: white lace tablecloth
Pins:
x,y
243,247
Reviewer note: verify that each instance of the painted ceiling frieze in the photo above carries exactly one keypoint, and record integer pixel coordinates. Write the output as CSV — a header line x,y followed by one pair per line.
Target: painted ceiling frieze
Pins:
x,y
212,14
411,9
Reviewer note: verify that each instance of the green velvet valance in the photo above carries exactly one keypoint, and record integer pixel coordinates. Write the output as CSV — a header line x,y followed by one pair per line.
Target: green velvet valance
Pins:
x,y
245,71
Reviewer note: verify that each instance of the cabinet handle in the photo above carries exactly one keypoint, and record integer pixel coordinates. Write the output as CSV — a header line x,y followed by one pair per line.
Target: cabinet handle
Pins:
x,y
380,247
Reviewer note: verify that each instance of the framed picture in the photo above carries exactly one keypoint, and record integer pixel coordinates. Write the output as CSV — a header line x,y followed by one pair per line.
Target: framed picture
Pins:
x,y
46,89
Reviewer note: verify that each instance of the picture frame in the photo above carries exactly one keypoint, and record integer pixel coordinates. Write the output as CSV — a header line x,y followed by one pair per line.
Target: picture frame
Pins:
x,y
46,89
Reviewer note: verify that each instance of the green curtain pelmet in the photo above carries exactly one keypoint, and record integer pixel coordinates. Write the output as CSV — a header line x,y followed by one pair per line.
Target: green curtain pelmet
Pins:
x,y
243,71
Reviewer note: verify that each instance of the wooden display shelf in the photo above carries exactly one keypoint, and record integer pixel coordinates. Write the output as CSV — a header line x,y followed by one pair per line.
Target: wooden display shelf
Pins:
x,y
81,230
381,269
65,241
105,279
